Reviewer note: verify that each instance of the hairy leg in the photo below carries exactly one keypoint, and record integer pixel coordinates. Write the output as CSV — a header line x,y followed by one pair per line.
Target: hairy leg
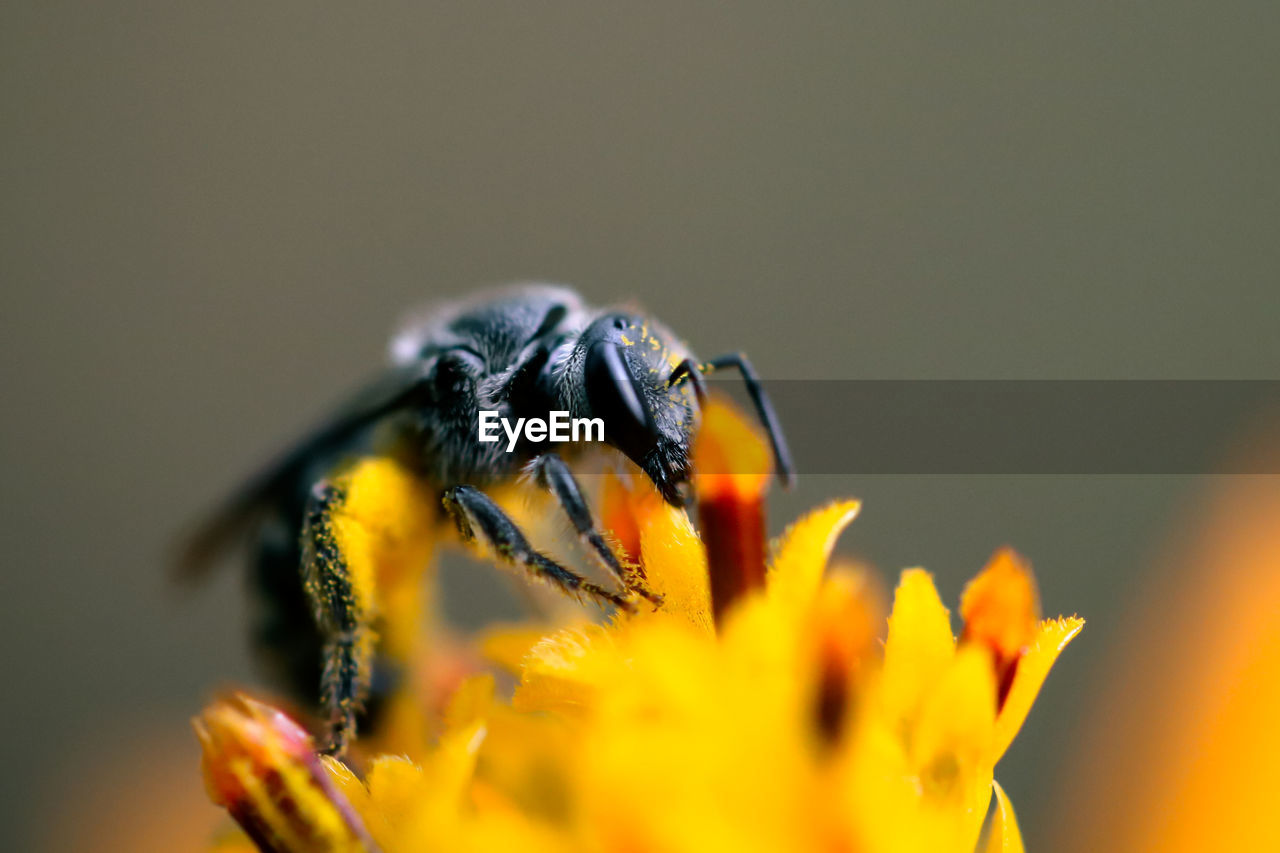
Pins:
x,y
478,517
342,607
368,535
554,475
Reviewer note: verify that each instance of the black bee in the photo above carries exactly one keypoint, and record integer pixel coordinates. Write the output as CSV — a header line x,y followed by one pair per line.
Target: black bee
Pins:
x,y
521,352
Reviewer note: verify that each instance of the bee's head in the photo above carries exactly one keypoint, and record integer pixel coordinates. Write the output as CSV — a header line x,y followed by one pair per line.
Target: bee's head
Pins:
x,y
627,362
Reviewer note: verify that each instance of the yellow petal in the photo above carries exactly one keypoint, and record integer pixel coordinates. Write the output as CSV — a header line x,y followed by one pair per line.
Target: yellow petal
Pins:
x,y
383,528
926,786
1033,667
451,766
506,646
919,646
801,556
1004,837
347,782
565,671
952,737
661,549
951,744
398,790
675,566
843,635
472,701
698,744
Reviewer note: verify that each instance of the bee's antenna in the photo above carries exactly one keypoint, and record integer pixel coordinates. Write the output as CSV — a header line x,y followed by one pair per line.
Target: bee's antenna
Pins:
x,y
689,369
764,410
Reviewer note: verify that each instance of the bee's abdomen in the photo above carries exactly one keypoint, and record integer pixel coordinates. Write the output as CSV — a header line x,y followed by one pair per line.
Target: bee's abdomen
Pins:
x,y
285,635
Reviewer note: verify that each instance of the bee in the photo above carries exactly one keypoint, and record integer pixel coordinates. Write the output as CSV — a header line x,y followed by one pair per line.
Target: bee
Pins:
x,y
339,521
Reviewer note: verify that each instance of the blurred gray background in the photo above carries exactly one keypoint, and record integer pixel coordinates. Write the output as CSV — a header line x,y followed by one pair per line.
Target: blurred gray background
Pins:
x,y
213,214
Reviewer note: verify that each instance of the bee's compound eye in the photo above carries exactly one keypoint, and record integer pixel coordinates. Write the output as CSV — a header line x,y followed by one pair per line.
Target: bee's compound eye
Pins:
x,y
612,393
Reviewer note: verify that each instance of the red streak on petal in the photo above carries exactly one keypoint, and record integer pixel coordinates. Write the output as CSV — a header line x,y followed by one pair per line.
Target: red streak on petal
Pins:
x,y
733,531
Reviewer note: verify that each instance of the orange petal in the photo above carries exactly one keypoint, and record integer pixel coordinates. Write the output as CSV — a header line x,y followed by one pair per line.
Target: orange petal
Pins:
x,y
733,534
1001,606
618,515
260,766
1033,667
1181,744
842,622
731,462
731,457
1004,837
645,528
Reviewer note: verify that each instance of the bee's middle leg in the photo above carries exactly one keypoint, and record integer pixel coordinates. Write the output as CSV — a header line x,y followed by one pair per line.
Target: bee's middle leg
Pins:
x,y
476,514
341,614
553,474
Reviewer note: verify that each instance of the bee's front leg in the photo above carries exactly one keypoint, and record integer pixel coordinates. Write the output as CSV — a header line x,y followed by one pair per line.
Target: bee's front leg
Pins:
x,y
478,517
553,474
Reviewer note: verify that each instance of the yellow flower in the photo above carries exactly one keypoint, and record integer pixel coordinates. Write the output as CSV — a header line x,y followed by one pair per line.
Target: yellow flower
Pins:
x,y
754,710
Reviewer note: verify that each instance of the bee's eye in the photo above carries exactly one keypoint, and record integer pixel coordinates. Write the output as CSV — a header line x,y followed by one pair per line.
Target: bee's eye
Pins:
x,y
612,393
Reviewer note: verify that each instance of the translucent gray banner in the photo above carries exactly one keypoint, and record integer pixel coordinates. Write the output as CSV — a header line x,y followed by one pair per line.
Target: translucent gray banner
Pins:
x,y
1131,427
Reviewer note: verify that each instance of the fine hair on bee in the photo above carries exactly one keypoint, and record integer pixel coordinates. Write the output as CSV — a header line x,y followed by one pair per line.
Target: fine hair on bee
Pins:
x,y
347,512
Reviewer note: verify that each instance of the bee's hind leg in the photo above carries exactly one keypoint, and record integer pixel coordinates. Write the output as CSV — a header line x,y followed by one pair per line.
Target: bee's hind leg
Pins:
x,y
477,516
341,605
551,473
367,538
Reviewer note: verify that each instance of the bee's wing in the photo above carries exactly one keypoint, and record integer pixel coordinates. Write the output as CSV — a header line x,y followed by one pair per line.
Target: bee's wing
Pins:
x,y
394,390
